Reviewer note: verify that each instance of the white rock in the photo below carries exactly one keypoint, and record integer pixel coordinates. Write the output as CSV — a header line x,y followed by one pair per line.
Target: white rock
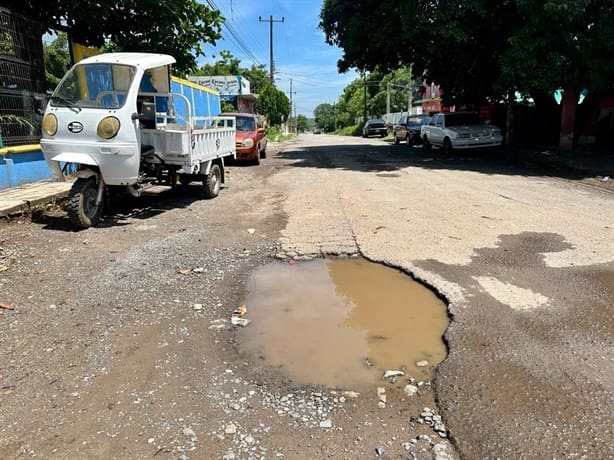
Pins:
x,y
198,306
389,374
189,433
381,394
410,390
328,423
237,321
251,231
422,363
231,428
151,441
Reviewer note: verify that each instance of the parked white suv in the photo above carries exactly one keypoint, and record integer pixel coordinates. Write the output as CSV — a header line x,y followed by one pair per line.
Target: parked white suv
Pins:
x,y
459,130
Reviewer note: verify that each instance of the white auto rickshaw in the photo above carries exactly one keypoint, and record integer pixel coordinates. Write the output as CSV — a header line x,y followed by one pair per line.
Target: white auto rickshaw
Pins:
x,y
122,121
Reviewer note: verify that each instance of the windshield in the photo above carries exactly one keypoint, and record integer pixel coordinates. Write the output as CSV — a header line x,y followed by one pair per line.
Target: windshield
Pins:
x,y
246,124
98,86
458,119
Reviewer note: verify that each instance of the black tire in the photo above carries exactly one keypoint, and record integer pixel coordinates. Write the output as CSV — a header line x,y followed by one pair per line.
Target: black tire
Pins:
x,y
426,144
409,141
82,208
263,152
256,160
184,179
447,146
212,182
396,140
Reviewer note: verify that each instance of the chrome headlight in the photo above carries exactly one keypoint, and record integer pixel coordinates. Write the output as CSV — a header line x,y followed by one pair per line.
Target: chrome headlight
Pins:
x,y
50,124
108,127
249,142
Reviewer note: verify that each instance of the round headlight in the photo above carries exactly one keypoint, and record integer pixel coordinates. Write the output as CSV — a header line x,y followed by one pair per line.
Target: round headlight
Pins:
x,y
249,142
108,127
50,124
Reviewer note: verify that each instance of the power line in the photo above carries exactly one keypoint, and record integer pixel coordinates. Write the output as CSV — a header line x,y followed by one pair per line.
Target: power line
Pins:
x,y
236,38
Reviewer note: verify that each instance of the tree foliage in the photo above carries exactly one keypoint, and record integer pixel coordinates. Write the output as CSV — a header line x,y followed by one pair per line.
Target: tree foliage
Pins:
x,y
274,104
302,123
480,50
180,28
57,60
324,115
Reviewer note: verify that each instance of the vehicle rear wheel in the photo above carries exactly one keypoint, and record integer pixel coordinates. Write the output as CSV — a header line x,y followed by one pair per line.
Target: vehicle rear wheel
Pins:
x,y
82,208
184,179
426,144
212,182
447,146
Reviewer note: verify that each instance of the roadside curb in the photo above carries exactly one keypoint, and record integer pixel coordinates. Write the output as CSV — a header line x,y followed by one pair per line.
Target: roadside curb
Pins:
x,y
25,198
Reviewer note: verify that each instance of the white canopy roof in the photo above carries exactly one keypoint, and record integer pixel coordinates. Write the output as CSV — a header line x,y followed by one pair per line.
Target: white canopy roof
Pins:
x,y
143,60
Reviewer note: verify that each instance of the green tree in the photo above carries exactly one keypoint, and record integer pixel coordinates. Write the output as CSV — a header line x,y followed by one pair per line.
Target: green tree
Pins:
x,y
180,28
274,104
302,123
57,60
324,115
558,44
482,50
227,64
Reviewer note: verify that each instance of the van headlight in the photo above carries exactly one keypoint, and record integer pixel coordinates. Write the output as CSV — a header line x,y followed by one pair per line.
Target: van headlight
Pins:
x,y
50,124
108,127
249,142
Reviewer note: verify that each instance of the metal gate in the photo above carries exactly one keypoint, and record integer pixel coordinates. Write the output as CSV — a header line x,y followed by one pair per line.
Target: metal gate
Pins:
x,y
22,78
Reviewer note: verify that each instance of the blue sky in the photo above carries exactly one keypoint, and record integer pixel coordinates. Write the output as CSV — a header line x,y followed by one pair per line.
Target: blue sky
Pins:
x,y
300,52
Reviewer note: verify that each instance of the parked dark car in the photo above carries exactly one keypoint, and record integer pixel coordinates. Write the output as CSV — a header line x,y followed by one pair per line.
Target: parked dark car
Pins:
x,y
408,129
374,128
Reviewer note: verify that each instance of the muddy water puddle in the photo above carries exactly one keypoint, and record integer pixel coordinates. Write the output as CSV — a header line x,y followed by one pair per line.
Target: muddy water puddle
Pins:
x,y
342,322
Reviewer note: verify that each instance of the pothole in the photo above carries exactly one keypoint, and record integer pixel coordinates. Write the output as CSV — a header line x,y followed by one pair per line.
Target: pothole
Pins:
x,y
342,322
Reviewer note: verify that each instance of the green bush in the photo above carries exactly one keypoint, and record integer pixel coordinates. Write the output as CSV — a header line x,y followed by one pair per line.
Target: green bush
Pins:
x,y
354,130
274,134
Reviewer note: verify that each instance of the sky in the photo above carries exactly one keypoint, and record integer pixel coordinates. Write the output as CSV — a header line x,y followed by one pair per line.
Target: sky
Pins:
x,y
300,53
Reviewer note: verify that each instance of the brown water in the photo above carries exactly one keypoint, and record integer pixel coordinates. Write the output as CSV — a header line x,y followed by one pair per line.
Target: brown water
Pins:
x,y
342,322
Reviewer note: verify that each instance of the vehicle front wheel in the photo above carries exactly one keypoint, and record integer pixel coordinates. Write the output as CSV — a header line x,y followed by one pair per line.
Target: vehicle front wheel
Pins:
x,y
212,182
426,144
409,141
82,208
396,140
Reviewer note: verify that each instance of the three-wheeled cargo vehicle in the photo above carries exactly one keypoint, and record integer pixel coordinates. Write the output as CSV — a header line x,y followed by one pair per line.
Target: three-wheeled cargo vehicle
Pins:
x,y
121,120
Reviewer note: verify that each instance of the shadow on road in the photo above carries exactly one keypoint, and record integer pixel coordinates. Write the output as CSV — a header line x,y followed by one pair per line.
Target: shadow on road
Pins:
x,y
357,155
124,207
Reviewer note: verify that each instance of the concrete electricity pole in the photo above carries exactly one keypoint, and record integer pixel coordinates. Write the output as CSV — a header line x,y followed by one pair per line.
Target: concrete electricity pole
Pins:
x,y
291,94
271,21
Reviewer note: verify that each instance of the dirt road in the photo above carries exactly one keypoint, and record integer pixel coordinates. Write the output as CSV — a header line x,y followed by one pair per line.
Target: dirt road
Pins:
x,y
120,343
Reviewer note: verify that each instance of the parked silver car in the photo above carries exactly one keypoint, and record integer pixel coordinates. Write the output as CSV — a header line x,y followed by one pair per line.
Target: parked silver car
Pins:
x,y
459,130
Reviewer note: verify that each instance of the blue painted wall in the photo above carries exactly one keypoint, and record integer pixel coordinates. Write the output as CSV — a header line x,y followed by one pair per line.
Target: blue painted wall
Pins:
x,y
22,168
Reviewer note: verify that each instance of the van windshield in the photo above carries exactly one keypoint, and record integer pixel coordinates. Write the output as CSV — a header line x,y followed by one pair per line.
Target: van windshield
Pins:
x,y
97,86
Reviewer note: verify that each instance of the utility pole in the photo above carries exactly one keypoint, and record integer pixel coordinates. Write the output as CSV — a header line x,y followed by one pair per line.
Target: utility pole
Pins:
x,y
364,79
291,93
388,98
272,65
